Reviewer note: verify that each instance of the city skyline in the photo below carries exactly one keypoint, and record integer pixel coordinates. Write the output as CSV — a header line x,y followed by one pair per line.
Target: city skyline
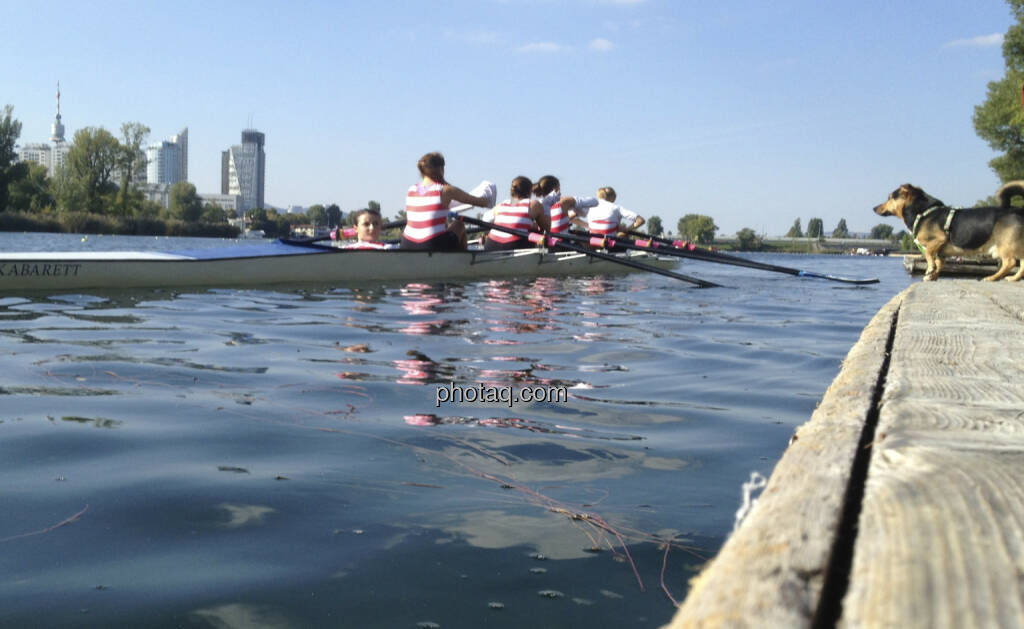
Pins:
x,y
755,114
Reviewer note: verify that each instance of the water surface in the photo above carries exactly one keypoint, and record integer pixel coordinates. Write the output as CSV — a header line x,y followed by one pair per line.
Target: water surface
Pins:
x,y
276,457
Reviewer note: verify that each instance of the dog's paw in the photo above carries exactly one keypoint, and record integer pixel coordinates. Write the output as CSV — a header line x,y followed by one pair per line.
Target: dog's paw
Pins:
x,y
930,277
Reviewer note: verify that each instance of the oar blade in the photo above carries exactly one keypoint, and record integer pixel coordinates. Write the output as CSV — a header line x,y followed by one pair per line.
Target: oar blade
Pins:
x,y
698,253
833,278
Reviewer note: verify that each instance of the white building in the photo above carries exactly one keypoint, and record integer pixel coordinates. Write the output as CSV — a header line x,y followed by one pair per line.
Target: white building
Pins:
x,y
227,201
167,161
52,155
243,169
156,192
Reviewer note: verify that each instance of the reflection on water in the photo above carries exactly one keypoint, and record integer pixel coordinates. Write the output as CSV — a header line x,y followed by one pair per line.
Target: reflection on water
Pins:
x,y
278,458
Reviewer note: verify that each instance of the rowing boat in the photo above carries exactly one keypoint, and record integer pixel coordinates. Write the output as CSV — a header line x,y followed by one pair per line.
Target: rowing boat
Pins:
x,y
278,262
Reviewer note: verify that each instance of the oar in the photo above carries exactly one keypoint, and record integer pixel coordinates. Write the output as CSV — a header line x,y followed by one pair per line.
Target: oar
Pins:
x,y
536,237
689,250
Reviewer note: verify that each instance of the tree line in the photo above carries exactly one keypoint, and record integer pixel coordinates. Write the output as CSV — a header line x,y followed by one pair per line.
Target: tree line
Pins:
x,y
94,192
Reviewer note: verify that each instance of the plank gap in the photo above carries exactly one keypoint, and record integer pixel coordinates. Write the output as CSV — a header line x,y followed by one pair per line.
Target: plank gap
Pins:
x,y
837,576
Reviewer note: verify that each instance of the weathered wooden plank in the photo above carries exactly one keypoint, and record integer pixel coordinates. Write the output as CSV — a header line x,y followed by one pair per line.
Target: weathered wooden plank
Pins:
x,y
941,533
770,572
940,538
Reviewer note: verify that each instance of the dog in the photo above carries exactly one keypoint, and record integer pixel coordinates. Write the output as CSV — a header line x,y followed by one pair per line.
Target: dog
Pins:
x,y
943,231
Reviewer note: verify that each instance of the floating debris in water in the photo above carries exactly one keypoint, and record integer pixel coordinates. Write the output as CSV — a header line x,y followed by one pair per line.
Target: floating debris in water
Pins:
x,y
232,468
358,531
427,624
361,348
610,594
496,605
551,594
538,570
582,601
60,479
538,556
593,549
279,477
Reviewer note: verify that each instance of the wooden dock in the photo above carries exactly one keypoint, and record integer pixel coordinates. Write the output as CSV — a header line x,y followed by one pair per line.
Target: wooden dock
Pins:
x,y
901,502
954,267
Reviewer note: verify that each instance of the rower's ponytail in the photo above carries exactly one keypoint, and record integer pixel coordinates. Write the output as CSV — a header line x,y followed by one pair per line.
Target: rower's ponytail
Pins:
x,y
545,185
431,165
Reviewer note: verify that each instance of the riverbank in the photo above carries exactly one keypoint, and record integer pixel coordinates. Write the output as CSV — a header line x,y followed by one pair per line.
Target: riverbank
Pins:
x,y
86,223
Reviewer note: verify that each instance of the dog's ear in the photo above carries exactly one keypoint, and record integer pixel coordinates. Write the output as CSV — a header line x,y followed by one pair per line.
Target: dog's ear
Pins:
x,y
910,192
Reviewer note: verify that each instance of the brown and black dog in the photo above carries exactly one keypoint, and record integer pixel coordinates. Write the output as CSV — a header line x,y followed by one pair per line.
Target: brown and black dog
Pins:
x,y
943,231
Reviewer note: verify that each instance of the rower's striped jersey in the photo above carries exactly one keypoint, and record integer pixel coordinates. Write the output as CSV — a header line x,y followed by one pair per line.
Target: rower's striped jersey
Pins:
x,y
514,214
424,215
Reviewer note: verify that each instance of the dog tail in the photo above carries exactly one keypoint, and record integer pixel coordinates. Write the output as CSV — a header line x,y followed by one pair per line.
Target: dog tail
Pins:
x,y
1009,190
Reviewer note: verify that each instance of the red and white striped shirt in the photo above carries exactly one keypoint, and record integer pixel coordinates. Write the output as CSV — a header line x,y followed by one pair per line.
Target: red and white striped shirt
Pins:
x,y
367,244
424,215
514,214
559,218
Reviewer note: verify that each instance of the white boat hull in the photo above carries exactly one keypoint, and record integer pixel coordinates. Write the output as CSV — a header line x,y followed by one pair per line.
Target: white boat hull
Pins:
x,y
279,263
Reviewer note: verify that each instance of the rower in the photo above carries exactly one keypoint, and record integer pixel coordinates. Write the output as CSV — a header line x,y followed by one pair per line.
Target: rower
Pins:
x,y
426,210
560,210
518,212
606,217
368,224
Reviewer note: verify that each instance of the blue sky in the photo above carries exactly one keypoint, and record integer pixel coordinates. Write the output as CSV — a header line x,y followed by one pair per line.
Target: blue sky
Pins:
x,y
755,113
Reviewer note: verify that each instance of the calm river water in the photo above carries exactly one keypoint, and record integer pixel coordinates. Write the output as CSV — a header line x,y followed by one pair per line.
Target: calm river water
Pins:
x,y
269,458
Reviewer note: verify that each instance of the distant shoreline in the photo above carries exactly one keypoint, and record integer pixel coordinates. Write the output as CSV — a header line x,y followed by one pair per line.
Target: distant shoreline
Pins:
x,y
101,224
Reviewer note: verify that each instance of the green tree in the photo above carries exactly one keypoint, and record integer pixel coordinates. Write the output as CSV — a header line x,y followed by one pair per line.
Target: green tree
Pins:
x,y
333,215
881,231
795,231
67,191
654,226
213,213
31,193
698,228
10,130
373,206
91,163
749,240
999,119
131,160
317,214
185,203
149,209
815,228
841,231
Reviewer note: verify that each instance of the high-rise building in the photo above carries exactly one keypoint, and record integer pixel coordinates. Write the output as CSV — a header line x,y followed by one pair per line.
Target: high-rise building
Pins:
x,y
51,155
167,161
182,141
243,170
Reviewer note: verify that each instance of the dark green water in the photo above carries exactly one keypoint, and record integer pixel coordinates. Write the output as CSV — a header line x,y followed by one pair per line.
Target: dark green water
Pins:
x,y
276,458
